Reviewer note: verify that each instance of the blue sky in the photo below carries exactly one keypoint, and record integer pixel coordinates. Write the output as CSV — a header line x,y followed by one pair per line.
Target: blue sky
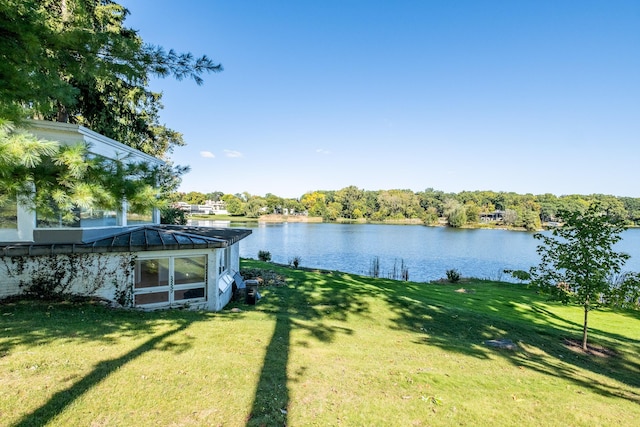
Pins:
x,y
525,96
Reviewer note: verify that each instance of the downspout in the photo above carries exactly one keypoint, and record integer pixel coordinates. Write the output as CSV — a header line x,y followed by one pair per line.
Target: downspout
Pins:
x,y
212,281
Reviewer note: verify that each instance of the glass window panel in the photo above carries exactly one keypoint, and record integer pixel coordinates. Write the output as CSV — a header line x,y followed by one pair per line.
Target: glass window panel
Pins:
x,y
189,270
97,218
9,215
183,294
152,272
223,260
140,218
152,298
53,217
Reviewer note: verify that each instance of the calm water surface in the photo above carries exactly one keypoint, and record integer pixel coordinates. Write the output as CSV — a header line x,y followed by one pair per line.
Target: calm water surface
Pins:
x,y
427,252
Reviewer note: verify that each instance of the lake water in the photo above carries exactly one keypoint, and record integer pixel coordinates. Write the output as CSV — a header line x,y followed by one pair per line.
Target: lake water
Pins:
x,y
426,252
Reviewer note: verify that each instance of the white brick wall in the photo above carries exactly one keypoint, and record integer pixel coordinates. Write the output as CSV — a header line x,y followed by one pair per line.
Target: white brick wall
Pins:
x,y
105,275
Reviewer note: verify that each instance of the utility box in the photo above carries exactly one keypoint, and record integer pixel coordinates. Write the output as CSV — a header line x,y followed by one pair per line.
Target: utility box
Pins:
x,y
252,295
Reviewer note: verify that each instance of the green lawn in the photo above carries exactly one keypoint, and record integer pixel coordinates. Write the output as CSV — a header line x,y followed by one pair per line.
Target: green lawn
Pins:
x,y
326,349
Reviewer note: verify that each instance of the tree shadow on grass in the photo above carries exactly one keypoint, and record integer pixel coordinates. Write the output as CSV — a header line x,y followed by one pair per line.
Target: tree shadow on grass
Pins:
x,y
463,322
445,315
38,323
559,363
303,306
102,370
35,322
593,326
270,404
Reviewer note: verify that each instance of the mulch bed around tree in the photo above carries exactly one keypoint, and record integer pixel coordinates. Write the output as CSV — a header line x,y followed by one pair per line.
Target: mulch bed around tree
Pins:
x,y
592,349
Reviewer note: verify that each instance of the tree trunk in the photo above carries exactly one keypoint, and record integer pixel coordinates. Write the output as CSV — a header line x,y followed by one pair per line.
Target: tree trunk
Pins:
x,y
584,328
62,115
64,11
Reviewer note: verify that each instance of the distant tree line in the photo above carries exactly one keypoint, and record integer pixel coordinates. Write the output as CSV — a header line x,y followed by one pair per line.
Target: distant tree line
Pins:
x,y
467,208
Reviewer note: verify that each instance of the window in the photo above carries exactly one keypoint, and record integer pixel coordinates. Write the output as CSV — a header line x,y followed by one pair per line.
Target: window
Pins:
x,y
190,277
98,218
189,270
224,260
140,218
152,273
54,217
170,280
9,215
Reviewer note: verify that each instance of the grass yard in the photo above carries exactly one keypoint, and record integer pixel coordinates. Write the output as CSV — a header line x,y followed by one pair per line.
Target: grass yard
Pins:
x,y
326,349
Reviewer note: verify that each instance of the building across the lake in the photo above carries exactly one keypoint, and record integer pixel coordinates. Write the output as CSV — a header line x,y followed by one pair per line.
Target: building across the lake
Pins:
x,y
495,216
210,207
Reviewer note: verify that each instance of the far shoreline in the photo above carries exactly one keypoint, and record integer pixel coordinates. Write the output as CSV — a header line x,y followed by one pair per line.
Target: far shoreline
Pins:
x,y
279,218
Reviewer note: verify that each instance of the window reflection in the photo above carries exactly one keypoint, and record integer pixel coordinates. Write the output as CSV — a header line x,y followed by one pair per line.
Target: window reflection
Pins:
x,y
189,270
9,215
152,272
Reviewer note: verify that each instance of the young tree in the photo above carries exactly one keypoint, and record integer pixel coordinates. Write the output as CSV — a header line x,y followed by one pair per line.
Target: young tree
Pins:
x,y
578,260
173,215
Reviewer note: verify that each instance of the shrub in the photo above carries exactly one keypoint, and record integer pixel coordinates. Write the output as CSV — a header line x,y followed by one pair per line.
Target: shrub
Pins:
x,y
521,275
295,261
172,215
453,275
264,256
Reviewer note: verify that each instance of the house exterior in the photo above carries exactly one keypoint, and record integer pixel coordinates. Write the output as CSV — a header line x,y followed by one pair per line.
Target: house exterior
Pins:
x,y
494,216
210,207
131,260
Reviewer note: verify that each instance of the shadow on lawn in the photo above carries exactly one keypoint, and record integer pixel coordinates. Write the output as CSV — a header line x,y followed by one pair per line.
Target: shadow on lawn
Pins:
x,y
61,320
462,322
455,321
304,307
593,325
50,322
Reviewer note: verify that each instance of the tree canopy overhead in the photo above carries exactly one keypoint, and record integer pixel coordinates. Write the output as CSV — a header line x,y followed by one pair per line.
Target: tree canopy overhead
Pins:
x,y
76,61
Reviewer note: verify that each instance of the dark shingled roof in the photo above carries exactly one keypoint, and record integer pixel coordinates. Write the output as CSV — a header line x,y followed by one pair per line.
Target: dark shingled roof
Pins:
x,y
144,238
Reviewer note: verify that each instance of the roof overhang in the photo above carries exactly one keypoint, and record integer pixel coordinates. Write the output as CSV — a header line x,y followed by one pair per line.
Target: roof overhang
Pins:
x,y
136,239
69,134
